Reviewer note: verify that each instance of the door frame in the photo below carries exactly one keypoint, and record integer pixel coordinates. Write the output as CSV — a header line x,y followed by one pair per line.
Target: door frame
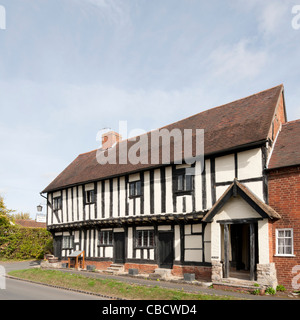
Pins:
x,y
253,240
116,234
171,239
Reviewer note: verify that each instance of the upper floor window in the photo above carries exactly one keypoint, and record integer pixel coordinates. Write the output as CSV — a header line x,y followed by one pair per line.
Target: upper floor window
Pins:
x,y
184,182
284,242
57,204
135,189
90,196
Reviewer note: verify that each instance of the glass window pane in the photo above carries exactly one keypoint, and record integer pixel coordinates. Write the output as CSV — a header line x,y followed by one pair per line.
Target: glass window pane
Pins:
x,y
288,250
145,242
139,238
131,189
151,239
180,183
138,190
288,233
280,233
281,242
188,182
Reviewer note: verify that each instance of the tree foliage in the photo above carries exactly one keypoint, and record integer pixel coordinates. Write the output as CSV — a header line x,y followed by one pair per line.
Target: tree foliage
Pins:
x,y
17,242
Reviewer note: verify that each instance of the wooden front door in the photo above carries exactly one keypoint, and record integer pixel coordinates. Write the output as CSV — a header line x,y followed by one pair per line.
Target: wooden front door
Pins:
x,y
119,247
57,246
166,249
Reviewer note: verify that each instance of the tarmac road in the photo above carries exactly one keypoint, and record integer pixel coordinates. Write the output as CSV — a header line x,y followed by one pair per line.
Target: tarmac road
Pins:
x,y
22,290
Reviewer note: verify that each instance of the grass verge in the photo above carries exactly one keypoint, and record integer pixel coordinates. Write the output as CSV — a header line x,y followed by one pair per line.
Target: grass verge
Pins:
x,y
110,287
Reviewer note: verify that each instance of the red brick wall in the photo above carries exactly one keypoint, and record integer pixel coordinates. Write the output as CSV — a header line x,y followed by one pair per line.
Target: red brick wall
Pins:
x,y
201,273
279,118
284,197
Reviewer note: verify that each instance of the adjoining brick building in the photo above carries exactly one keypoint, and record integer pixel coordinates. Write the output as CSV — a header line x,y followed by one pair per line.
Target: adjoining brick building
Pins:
x,y
284,197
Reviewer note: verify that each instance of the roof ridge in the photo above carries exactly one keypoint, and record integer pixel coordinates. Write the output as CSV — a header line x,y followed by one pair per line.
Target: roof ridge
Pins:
x,y
290,122
196,114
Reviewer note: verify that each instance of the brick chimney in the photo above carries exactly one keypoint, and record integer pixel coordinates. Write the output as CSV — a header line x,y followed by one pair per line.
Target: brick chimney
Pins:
x,y
109,139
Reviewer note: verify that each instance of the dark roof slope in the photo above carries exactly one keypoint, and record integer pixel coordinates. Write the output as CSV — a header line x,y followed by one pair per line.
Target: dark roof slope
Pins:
x,y
226,127
286,150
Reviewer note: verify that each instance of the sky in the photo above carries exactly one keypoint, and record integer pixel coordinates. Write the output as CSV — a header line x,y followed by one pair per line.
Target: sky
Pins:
x,y
69,68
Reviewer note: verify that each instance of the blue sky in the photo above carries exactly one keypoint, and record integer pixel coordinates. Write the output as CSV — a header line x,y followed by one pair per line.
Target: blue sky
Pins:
x,y
71,67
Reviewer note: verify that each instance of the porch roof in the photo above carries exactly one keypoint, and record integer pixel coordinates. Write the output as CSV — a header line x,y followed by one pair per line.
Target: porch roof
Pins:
x,y
237,188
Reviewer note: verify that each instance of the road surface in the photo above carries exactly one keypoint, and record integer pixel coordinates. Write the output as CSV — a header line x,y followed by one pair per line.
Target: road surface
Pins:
x,y
22,290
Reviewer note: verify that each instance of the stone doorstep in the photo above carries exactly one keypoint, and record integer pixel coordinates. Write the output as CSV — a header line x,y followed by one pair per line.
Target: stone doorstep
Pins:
x,y
239,285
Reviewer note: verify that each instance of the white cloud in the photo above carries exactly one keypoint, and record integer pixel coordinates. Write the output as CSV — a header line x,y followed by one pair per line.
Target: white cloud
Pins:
x,y
114,11
238,61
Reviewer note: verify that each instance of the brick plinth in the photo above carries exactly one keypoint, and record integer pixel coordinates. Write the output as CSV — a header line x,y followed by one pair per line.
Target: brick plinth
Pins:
x,y
201,272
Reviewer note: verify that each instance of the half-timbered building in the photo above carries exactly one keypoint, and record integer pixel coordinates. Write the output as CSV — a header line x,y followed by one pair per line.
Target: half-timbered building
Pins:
x,y
214,222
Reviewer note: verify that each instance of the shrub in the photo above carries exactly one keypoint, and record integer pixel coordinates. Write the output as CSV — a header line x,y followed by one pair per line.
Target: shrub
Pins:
x,y
17,242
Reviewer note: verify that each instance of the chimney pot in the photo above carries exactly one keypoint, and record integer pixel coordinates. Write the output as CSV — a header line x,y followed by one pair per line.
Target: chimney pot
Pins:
x,y
110,138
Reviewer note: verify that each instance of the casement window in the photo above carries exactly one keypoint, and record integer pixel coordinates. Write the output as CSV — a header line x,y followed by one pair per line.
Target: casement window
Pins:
x,y
90,196
135,189
284,242
68,242
145,238
57,203
105,238
183,182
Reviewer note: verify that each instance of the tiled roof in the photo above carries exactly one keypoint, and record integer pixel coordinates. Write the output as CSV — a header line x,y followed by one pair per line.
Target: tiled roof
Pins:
x,y
226,127
286,150
30,223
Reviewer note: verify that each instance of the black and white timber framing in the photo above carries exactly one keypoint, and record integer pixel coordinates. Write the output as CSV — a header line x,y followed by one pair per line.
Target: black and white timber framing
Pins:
x,y
169,215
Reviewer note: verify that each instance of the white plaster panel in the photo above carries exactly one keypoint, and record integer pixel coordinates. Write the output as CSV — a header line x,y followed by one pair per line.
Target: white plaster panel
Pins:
x,y
89,186
193,241
169,192
187,229
164,228
225,168
193,255
134,177
198,186
236,208
208,185
157,191
256,188
130,244
146,192
122,197
177,242
249,164
196,228
220,191
263,241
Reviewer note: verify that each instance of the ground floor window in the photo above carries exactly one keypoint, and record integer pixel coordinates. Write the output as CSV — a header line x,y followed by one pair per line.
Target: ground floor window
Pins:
x,y
68,242
144,238
284,242
105,238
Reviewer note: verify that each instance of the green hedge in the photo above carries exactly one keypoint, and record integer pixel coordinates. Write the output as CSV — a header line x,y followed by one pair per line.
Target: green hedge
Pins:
x,y
17,242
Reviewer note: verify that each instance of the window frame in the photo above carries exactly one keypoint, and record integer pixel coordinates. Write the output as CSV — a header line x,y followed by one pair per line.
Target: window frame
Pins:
x,y
284,246
70,242
149,245
93,197
183,190
135,189
57,203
